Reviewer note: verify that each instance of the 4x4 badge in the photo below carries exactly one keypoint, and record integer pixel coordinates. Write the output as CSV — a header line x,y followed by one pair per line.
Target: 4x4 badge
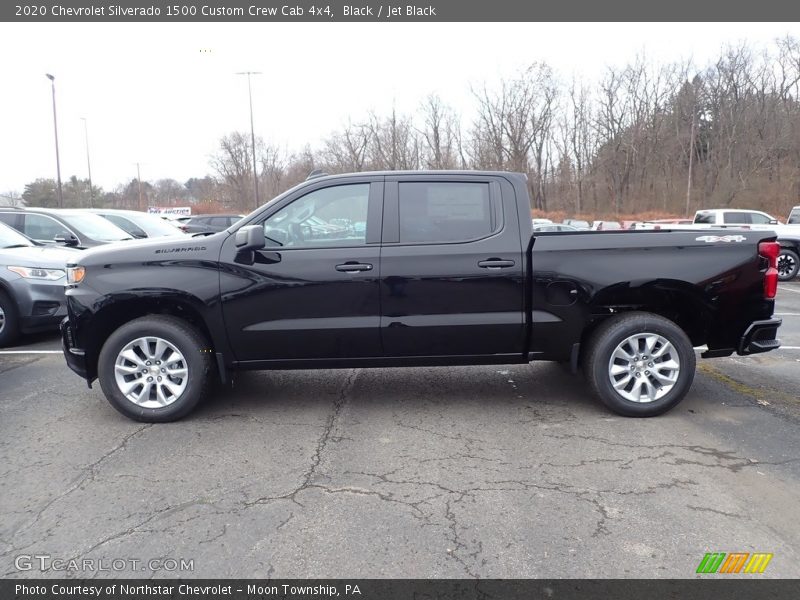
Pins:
x,y
720,238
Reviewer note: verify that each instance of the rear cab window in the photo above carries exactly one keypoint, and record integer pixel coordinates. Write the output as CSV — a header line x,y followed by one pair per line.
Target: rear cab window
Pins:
x,y
706,218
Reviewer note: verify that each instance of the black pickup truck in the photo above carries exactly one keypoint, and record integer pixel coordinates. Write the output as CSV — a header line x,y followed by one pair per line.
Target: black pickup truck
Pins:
x,y
414,268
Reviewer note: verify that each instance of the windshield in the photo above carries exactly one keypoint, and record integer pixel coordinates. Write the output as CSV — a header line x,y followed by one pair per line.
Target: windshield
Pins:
x,y
152,226
794,217
96,227
11,238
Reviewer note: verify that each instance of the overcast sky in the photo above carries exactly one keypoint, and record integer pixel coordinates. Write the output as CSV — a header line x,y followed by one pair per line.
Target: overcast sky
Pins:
x,y
163,94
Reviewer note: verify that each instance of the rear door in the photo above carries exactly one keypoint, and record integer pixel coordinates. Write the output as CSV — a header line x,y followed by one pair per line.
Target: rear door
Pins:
x,y
451,267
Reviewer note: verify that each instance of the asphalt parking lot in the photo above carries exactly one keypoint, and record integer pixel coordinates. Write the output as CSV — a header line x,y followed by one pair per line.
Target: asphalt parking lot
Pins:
x,y
430,472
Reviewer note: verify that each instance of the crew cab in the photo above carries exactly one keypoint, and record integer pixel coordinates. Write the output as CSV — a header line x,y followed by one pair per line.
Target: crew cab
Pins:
x,y
389,269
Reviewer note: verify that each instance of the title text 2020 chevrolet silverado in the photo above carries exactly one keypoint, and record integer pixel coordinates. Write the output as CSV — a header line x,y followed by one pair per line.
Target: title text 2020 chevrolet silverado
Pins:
x,y
414,268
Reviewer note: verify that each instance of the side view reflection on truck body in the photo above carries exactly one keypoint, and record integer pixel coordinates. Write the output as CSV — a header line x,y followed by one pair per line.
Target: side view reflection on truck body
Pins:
x,y
409,269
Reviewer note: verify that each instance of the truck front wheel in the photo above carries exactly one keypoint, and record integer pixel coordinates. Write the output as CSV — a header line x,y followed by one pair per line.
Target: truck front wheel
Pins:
x,y
639,364
155,369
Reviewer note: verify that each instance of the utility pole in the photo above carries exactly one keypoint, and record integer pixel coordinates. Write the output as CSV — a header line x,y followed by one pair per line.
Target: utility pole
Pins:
x,y
252,132
55,129
139,179
88,162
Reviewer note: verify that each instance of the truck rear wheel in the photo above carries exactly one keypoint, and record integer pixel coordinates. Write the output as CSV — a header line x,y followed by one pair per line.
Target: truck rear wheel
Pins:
x,y
639,364
788,264
155,369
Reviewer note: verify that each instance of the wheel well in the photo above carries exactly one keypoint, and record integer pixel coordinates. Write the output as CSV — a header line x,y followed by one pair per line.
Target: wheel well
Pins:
x,y
5,289
109,319
681,304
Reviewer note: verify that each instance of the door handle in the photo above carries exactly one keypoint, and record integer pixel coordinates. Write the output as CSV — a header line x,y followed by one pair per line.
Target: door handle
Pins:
x,y
354,267
495,263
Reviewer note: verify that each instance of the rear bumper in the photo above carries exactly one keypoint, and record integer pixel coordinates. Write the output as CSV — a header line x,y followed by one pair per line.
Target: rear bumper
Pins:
x,y
75,357
760,336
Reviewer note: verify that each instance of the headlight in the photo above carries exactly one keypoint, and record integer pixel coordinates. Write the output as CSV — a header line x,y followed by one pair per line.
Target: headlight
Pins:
x,y
75,274
38,273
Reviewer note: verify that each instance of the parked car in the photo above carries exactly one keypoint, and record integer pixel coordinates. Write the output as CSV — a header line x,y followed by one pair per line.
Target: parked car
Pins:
x,y
662,223
578,223
137,224
794,216
32,282
67,227
177,221
210,223
605,225
538,221
447,272
553,227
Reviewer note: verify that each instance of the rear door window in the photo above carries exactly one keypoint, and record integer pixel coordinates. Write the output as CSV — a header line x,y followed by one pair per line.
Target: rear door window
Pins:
x,y
446,212
736,218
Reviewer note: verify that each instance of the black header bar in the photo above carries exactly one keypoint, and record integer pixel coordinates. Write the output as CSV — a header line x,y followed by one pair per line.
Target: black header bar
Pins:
x,y
715,588
266,11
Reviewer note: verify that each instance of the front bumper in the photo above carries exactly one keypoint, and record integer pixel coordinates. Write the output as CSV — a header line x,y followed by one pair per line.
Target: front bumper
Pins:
x,y
41,303
75,357
760,336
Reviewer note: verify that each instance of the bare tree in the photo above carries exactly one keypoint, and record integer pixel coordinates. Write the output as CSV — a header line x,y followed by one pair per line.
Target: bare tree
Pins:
x,y
440,135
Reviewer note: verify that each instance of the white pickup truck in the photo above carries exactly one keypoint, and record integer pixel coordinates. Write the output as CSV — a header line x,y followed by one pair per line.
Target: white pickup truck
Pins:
x,y
737,218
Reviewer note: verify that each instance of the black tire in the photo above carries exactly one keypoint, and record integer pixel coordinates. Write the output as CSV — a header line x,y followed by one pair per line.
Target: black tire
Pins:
x,y
186,339
9,327
611,334
788,264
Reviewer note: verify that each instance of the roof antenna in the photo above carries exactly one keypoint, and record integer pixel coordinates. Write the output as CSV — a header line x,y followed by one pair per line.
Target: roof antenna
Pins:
x,y
316,173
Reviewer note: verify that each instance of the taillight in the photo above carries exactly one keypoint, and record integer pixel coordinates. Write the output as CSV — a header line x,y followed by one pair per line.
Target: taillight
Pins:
x,y
770,251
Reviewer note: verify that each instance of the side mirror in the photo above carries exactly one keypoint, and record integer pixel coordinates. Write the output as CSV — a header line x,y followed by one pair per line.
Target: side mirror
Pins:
x,y
249,237
773,221
66,239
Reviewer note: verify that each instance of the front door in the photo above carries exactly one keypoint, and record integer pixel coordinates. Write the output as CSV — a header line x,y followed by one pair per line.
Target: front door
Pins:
x,y
313,291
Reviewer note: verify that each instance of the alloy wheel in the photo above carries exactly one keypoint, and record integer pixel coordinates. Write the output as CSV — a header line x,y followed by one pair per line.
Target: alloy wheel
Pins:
x,y
151,372
644,367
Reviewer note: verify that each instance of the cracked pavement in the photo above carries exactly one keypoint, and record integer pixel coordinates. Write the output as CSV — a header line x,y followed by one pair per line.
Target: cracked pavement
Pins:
x,y
430,472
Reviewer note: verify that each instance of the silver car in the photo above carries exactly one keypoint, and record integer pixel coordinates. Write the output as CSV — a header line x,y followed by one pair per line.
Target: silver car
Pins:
x,y
32,278
138,224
